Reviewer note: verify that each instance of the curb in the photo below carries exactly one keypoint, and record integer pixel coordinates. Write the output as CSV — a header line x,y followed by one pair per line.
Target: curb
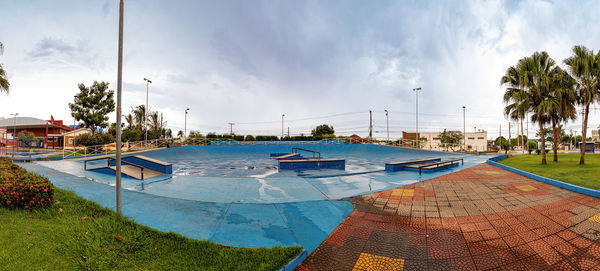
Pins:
x,y
568,186
295,262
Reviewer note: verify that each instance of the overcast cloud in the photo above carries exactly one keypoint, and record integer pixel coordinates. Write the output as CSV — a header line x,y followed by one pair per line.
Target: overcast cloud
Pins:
x,y
248,62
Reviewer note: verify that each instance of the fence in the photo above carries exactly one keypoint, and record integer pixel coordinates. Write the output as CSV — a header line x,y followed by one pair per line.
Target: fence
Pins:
x,y
140,146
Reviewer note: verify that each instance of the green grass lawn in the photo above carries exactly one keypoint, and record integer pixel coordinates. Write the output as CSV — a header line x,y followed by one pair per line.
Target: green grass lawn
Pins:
x,y
87,236
567,169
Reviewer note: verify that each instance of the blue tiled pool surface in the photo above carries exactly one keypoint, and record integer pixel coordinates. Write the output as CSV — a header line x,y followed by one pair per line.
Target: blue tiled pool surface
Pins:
x,y
232,195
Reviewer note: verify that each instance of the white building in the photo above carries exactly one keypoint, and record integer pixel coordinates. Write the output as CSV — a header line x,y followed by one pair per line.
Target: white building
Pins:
x,y
475,141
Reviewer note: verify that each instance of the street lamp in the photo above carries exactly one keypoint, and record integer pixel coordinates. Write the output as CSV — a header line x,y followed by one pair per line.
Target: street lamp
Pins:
x,y
282,115
464,131
416,90
14,133
148,82
185,123
387,124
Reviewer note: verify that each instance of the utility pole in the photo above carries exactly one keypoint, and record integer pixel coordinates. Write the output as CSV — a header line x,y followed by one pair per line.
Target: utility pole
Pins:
x,y
387,125
416,90
119,84
288,131
231,128
282,115
500,138
371,125
464,130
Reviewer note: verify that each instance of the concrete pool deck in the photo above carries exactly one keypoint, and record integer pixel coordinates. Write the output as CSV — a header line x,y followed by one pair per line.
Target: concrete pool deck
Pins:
x,y
480,218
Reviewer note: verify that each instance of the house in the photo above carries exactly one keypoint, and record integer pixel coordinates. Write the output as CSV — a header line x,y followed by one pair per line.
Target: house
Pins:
x,y
48,133
71,136
474,141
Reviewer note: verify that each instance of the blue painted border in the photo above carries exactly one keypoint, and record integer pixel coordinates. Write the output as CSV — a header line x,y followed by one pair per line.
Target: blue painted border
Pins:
x,y
568,186
295,262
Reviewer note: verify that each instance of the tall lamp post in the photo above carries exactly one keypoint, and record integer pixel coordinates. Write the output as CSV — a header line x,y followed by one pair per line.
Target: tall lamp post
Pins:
x,y
416,90
119,85
387,125
282,115
148,82
14,133
185,123
464,131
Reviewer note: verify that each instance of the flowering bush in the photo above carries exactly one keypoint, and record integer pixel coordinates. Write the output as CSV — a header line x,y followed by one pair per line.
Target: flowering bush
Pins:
x,y
22,189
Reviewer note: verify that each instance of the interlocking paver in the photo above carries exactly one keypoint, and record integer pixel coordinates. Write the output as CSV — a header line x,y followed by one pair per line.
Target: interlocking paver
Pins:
x,y
476,219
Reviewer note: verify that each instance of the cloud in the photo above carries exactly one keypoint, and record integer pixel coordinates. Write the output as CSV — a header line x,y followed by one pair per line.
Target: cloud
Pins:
x,y
65,54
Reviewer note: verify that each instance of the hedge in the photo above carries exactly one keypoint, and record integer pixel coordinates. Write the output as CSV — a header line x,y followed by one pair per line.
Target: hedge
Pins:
x,y
22,189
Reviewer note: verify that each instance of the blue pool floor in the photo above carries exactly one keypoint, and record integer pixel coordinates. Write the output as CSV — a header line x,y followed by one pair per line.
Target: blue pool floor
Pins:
x,y
305,223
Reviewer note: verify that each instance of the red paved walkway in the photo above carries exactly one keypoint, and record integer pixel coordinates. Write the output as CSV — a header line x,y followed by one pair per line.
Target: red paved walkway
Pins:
x,y
480,218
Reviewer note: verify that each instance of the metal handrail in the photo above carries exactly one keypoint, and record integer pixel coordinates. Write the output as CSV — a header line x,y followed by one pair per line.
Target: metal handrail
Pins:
x,y
294,150
438,164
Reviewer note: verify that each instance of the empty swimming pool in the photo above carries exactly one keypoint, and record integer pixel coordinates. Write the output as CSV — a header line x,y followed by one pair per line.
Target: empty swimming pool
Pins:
x,y
247,174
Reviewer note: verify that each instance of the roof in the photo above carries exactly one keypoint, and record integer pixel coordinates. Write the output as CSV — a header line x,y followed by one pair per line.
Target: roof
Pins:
x,y
77,131
19,122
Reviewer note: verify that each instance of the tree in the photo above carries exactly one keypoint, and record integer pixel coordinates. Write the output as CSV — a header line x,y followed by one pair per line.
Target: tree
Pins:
x,y
538,68
562,91
92,105
584,66
515,97
4,84
323,130
450,139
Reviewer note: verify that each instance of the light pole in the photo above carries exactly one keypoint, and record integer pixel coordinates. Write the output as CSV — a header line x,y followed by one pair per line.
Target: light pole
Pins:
x,y
185,124
119,85
148,82
464,131
387,125
14,133
282,115
416,90
74,126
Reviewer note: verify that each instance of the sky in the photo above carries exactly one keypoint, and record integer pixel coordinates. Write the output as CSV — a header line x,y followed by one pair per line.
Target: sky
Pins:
x,y
317,62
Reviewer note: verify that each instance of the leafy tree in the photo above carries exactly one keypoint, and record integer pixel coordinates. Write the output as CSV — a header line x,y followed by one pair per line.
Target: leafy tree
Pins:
x,y
531,146
94,139
92,105
450,139
4,84
249,138
584,66
180,133
323,130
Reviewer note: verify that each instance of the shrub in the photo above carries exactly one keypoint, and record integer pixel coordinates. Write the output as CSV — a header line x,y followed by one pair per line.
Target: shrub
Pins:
x,y
22,189
94,139
249,138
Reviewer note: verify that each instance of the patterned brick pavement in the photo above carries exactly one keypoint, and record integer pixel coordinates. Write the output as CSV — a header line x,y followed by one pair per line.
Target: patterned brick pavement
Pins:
x,y
480,218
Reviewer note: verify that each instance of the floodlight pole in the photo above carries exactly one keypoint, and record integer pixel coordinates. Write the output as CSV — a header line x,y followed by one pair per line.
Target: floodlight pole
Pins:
x,y
74,126
416,90
148,82
185,123
119,84
464,131
387,125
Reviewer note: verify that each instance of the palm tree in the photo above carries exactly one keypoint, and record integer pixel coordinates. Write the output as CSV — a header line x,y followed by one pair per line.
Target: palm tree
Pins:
x,y
515,96
130,121
563,94
4,84
538,69
138,115
584,66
